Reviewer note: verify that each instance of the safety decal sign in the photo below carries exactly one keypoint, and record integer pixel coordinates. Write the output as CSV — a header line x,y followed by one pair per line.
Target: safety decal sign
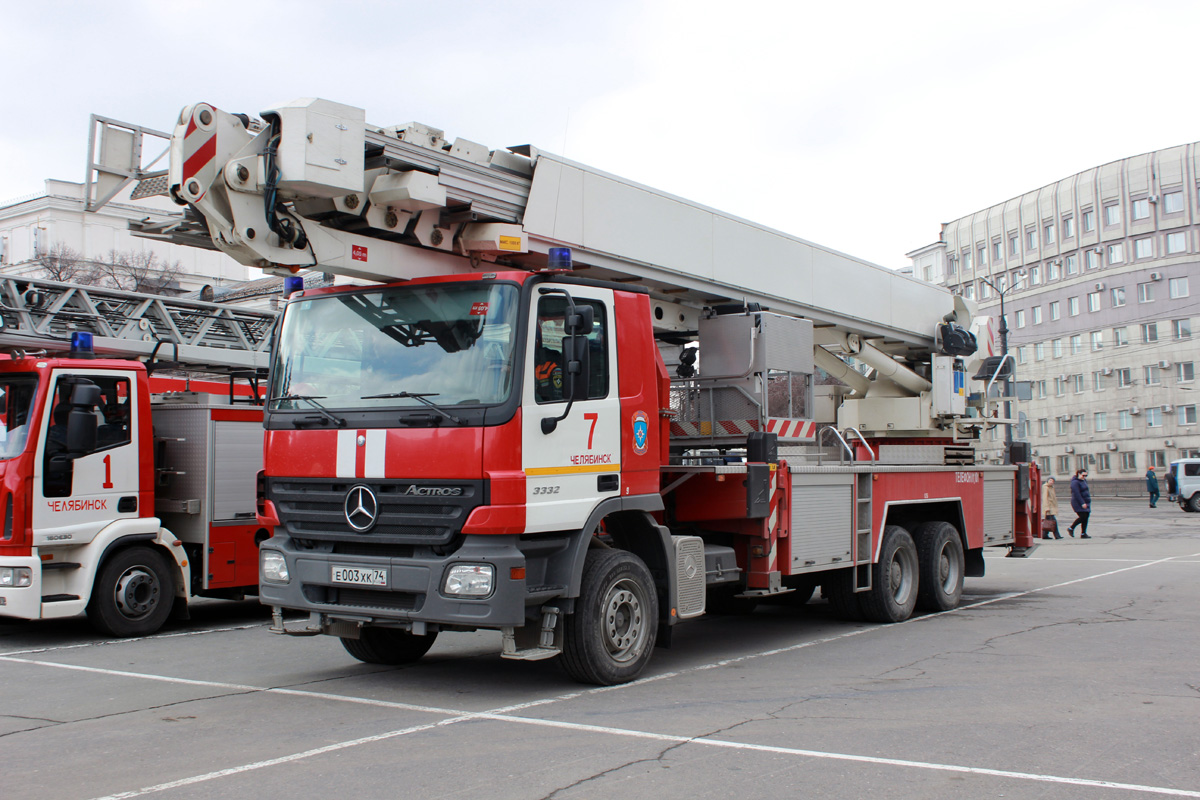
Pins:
x,y
641,432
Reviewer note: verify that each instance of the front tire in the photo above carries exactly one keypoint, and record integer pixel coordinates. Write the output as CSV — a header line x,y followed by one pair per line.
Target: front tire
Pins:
x,y
388,646
942,566
894,580
133,593
1193,503
610,637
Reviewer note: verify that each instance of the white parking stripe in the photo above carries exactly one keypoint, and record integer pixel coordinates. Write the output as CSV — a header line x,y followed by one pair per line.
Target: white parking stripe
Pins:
x,y
505,714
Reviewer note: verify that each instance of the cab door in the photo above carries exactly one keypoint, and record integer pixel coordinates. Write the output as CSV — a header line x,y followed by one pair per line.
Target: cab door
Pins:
x,y
74,498
570,469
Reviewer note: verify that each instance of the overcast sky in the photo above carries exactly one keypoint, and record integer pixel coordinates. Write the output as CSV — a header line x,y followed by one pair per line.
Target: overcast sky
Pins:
x,y
860,126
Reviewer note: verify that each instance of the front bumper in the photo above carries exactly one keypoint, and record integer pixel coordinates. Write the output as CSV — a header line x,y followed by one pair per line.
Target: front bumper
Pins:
x,y
413,593
23,602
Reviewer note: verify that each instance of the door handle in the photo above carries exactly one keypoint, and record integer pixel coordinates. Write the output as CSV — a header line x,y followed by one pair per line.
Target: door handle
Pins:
x,y
608,483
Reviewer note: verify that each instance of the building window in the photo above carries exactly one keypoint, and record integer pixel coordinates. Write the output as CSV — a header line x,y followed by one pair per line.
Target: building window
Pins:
x,y
1014,248
1112,215
985,291
1118,296
1076,344
1143,248
1054,313
1068,227
1172,202
1154,417
1182,328
1098,381
1185,372
1079,423
1064,465
1156,459
1062,425
1073,306
1071,264
1124,378
1187,414
1091,259
1060,387
1043,427
1056,348
1021,354
997,252
1041,389
1089,221
1097,340
1093,301
1151,374
1048,233
1145,292
1124,420
1149,332
1120,337
1077,379
1176,243
1140,210
1128,462
1039,351
966,260
1020,318
969,291
1116,253
1177,287
1031,239
928,271
1036,315
1035,276
1102,462
982,255
1101,421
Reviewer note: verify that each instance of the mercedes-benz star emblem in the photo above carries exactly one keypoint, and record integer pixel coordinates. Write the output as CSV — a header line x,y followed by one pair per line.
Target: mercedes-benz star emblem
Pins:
x,y
362,509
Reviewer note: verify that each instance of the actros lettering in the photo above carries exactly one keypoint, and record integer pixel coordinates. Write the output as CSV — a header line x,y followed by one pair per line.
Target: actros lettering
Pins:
x,y
434,491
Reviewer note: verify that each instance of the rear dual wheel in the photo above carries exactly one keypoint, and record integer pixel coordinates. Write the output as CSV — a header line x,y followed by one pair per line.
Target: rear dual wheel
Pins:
x,y
894,579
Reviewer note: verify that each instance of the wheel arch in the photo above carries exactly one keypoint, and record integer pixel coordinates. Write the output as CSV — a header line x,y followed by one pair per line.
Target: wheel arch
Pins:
x,y
909,514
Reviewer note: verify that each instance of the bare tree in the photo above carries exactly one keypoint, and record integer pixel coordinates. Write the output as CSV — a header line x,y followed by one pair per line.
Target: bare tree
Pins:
x,y
65,265
136,271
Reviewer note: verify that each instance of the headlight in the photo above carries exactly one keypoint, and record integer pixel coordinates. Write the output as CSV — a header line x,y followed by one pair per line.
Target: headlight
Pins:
x,y
16,576
470,580
273,567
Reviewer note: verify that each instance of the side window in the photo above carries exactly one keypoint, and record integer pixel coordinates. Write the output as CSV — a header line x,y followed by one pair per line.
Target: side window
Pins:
x,y
113,428
115,419
549,376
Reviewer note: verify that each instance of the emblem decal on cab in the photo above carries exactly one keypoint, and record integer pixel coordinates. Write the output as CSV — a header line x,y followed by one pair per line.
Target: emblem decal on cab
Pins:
x,y
641,432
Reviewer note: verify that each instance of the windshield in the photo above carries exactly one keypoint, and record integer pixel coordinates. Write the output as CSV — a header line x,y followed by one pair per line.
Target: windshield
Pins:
x,y
16,405
451,343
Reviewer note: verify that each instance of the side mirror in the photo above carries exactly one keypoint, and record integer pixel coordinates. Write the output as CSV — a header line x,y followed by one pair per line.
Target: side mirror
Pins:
x,y
82,422
580,321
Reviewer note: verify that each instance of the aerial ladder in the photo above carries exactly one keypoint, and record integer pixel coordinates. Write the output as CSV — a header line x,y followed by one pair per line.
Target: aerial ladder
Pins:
x,y
489,437
131,429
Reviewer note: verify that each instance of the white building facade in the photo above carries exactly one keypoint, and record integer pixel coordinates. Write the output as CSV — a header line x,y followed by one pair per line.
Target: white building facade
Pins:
x,y
1100,275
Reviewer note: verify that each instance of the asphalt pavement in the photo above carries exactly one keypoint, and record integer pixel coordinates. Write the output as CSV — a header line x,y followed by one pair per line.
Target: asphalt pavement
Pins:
x,y
1073,673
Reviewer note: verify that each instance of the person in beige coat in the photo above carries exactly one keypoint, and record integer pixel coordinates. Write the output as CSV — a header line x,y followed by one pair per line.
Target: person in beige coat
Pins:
x,y
1050,508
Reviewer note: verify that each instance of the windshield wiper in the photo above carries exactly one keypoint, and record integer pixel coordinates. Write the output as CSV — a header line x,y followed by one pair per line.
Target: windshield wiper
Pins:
x,y
311,399
420,398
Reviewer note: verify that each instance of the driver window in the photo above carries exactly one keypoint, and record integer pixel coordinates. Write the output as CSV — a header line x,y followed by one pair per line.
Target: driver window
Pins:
x,y
113,428
548,370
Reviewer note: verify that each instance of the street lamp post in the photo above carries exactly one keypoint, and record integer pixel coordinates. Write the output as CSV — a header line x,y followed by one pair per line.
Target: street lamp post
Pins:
x,y
1008,436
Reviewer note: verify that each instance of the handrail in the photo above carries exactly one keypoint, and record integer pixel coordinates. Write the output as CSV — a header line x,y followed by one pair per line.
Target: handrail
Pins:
x,y
840,439
987,391
864,441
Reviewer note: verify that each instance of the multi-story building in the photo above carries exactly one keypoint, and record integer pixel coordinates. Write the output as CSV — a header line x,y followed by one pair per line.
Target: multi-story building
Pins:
x,y
1099,276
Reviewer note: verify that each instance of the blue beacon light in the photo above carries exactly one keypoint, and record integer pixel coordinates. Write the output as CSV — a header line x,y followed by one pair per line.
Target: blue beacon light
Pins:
x,y
559,258
292,284
81,345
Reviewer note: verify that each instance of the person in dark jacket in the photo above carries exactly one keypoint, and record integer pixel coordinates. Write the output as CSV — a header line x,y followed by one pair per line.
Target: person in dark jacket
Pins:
x,y
1081,503
1152,486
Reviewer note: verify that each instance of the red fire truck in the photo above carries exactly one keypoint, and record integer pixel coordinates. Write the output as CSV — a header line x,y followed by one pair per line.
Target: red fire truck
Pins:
x,y
581,411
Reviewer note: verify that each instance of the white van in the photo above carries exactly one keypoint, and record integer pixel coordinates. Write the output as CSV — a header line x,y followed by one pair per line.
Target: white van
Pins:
x,y
1183,483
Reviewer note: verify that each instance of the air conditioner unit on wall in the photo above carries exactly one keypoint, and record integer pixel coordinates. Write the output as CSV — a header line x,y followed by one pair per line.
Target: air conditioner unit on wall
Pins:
x,y
1153,198
1135,411
1168,408
1164,363
1099,287
1111,445
1106,371
1097,249
1156,276
1169,443
1070,449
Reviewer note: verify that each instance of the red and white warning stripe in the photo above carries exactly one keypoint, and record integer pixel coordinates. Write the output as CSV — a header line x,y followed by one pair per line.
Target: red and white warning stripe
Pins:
x,y
783,428
361,454
792,428
199,152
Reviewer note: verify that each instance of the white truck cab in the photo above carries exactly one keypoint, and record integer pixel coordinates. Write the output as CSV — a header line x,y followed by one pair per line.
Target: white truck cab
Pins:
x,y
1183,483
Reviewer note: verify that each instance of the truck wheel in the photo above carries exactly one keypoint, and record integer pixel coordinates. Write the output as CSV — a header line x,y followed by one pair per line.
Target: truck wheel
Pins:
x,y
1193,502
838,589
894,580
610,637
388,646
942,566
133,593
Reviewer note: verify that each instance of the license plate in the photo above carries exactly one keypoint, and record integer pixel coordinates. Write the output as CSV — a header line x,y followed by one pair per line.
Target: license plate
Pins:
x,y
359,576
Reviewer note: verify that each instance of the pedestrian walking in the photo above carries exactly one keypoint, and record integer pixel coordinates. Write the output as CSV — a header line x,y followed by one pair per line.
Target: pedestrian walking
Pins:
x,y
1152,486
1050,510
1081,503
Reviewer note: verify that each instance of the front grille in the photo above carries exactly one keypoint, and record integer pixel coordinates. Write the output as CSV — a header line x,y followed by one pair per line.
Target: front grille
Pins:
x,y
363,598
315,510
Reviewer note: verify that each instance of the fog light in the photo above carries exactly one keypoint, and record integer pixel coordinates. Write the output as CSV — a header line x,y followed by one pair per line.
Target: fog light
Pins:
x,y
273,567
16,576
470,580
